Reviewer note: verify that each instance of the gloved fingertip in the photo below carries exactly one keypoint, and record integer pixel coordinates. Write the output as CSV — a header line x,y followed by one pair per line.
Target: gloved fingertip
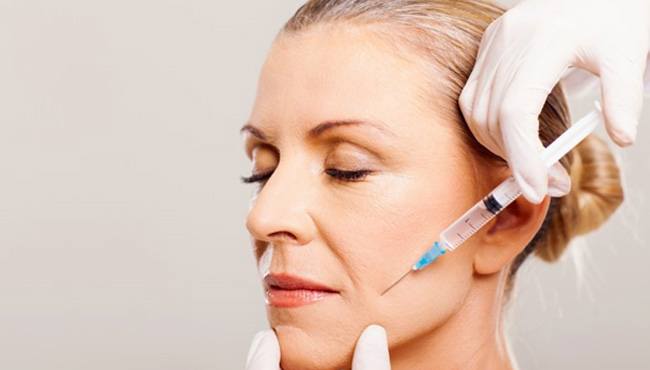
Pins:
x,y
375,332
253,347
621,126
466,98
371,351
632,132
264,352
534,194
624,136
559,181
557,192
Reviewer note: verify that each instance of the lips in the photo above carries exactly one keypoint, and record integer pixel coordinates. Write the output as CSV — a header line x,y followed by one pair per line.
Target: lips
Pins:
x,y
284,290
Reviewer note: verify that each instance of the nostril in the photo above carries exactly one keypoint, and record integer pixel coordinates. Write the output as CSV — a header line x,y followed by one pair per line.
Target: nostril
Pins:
x,y
282,235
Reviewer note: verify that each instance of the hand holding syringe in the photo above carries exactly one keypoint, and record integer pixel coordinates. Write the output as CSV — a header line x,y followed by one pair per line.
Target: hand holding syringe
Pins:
x,y
504,194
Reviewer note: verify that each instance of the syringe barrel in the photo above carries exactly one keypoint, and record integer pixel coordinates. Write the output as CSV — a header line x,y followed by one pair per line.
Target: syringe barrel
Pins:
x,y
480,214
504,194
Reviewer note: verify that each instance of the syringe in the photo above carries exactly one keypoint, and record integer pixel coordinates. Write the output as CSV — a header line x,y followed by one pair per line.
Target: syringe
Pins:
x,y
505,193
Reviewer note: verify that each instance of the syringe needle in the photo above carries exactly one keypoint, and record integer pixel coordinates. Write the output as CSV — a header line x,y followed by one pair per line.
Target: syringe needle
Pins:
x,y
395,283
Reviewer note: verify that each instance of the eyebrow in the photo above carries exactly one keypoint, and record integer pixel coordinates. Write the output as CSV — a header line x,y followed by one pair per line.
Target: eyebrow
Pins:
x,y
321,128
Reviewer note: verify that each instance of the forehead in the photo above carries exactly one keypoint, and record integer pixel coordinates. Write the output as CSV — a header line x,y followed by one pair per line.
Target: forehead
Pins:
x,y
330,72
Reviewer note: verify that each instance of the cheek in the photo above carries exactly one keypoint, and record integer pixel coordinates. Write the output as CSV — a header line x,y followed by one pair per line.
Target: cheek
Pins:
x,y
376,230
426,299
382,228
385,228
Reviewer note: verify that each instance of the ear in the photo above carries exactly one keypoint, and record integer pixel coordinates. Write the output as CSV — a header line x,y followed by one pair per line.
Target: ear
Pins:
x,y
508,235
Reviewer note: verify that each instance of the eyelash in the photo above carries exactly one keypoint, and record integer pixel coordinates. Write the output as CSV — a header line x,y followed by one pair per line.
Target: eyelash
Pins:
x,y
348,176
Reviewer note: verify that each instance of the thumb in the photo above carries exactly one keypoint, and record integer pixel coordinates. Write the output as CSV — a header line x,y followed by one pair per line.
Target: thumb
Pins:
x,y
264,353
371,352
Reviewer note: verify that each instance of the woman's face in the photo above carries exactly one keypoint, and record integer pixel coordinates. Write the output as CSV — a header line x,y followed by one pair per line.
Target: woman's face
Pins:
x,y
355,236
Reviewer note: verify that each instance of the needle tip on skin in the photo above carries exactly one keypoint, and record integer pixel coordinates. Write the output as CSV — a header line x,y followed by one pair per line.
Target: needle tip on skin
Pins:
x,y
395,283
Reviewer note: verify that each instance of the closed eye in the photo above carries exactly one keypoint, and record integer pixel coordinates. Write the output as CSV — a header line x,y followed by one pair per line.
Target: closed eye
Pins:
x,y
348,176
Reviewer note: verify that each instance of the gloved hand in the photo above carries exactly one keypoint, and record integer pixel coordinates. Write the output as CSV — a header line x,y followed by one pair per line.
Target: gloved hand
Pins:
x,y
524,53
370,353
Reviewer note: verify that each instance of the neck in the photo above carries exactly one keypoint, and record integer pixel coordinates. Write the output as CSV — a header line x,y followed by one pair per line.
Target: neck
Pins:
x,y
472,338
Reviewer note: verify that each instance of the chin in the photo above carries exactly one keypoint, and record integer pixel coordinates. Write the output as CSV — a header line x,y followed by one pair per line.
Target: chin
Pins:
x,y
302,350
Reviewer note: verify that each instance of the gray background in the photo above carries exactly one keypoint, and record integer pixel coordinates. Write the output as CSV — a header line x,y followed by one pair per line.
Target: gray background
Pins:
x,y
122,238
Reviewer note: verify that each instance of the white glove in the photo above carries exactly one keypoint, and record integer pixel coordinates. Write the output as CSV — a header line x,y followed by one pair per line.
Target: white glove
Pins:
x,y
524,53
370,353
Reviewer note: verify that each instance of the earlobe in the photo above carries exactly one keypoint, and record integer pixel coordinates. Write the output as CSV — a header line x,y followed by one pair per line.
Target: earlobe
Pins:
x,y
508,234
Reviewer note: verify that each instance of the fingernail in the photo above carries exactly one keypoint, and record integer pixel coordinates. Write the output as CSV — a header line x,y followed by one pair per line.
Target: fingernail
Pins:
x,y
533,195
257,339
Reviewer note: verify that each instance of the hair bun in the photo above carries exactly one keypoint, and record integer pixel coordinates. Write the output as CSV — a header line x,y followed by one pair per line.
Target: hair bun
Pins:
x,y
596,192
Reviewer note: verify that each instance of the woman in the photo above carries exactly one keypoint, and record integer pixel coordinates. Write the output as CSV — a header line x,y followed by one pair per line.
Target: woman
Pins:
x,y
363,158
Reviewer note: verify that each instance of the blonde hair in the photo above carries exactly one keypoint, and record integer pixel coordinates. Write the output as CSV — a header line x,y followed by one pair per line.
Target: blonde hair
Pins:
x,y
447,33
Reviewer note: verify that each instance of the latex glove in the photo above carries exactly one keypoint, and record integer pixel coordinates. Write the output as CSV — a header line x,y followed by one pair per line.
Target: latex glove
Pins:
x,y
370,353
524,53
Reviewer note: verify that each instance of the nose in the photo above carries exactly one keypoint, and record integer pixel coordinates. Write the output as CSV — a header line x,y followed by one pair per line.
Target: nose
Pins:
x,y
280,212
